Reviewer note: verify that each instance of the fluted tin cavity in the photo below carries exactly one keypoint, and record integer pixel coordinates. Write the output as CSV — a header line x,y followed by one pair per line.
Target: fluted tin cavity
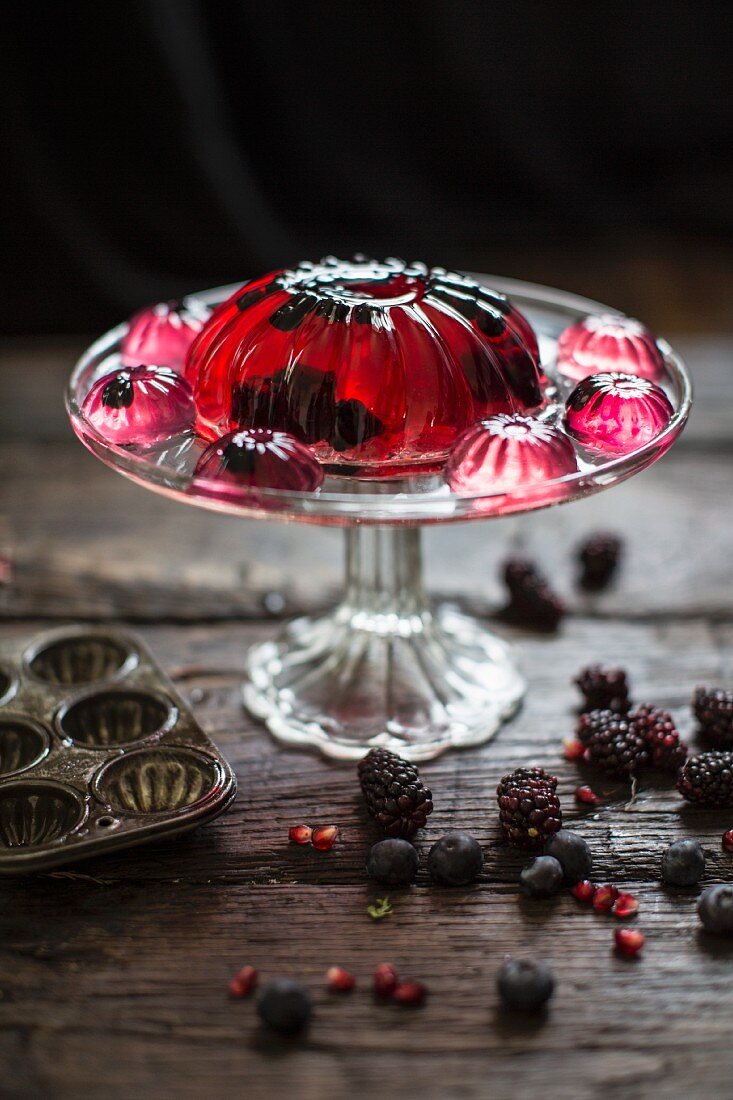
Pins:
x,y
22,744
116,717
34,813
151,781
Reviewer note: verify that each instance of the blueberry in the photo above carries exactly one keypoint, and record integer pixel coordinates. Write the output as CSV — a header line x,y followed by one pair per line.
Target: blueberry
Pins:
x,y
573,855
542,877
715,909
393,862
524,984
683,864
284,1005
455,860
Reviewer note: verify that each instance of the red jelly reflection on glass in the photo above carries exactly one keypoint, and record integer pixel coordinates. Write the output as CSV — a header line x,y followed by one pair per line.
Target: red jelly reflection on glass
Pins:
x,y
163,333
255,458
509,452
372,364
140,405
615,414
609,343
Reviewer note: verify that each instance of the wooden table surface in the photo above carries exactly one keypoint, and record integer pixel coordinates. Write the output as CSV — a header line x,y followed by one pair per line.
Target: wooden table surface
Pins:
x,y
114,985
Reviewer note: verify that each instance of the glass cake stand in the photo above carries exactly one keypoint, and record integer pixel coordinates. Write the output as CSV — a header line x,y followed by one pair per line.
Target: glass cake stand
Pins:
x,y
384,668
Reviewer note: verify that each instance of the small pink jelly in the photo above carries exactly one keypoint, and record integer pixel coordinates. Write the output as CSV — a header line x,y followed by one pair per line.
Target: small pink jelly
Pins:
x,y
256,458
163,333
508,452
140,405
615,414
605,342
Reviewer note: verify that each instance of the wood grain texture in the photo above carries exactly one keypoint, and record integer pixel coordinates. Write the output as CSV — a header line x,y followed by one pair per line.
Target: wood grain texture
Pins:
x,y
114,985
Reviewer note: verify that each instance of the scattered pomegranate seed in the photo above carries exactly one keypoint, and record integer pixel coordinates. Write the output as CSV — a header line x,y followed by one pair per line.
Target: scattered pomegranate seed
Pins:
x,y
629,941
243,983
339,979
300,834
625,905
385,980
604,898
583,891
728,841
324,837
410,993
586,796
573,749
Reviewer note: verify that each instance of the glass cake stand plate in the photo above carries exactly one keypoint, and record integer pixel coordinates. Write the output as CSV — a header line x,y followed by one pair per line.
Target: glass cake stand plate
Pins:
x,y
384,668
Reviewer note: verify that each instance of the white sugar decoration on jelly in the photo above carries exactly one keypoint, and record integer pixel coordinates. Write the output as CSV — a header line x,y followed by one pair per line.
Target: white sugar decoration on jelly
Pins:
x,y
143,405
509,452
615,414
256,458
608,342
163,333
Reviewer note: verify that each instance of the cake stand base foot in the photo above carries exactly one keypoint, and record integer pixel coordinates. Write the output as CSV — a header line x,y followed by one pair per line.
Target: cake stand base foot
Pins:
x,y
382,669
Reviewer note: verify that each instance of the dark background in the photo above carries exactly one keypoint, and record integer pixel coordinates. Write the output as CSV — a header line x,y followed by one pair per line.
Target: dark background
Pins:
x,y
151,148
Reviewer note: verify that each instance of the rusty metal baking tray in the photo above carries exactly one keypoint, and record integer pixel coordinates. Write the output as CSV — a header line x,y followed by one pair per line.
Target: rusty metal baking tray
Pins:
x,y
97,750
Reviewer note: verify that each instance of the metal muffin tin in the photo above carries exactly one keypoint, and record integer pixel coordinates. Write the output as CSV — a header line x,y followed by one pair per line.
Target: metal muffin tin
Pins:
x,y
97,751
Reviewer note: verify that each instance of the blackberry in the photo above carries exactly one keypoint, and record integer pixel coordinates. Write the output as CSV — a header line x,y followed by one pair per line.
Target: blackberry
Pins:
x,y
529,809
683,864
573,855
604,689
599,558
395,797
714,712
455,860
525,985
707,779
611,744
531,600
284,1005
542,877
660,735
715,909
393,862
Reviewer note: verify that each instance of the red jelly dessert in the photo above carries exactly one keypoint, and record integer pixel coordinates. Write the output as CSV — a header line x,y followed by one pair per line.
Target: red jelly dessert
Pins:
x,y
509,452
615,414
140,405
372,364
609,343
255,458
163,333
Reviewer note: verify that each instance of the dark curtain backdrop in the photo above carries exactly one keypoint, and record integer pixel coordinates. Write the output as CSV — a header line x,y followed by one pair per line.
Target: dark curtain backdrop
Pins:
x,y
155,147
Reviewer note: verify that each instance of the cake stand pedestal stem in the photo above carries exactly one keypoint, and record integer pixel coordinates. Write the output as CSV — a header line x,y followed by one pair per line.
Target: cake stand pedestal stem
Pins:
x,y
383,669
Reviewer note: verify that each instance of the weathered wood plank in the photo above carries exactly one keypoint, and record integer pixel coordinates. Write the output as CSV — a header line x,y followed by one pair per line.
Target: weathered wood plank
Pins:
x,y
92,544
124,982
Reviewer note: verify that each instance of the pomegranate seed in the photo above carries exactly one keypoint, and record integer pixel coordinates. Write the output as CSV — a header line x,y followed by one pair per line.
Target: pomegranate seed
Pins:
x,y
243,983
586,796
728,841
583,891
385,980
410,993
300,834
625,905
573,749
324,837
604,898
629,941
339,979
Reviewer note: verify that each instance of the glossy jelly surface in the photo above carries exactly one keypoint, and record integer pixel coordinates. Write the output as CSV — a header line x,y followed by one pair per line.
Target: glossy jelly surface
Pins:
x,y
615,414
371,364
140,405
509,452
163,333
606,342
256,458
